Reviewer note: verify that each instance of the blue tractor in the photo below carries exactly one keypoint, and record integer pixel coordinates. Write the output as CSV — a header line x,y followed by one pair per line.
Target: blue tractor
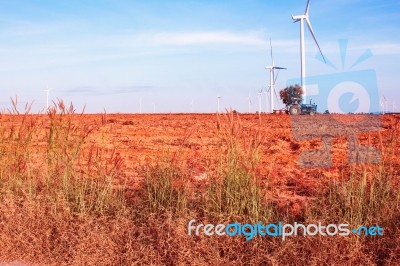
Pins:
x,y
296,107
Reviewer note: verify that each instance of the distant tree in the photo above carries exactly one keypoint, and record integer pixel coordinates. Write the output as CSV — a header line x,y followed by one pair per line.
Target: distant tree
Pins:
x,y
326,112
292,91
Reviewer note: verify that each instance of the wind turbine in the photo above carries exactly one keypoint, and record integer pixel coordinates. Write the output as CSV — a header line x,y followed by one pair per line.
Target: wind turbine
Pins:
x,y
383,103
154,107
390,103
272,79
218,100
259,101
47,97
140,105
301,18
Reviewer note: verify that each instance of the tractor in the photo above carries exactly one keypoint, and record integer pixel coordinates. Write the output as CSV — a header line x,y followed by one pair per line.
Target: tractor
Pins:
x,y
292,97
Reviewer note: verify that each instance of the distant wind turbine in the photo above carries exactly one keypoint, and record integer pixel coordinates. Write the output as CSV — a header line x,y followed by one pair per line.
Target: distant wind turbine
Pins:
x,y
272,79
249,100
140,105
390,103
259,101
383,103
218,100
47,97
154,107
301,18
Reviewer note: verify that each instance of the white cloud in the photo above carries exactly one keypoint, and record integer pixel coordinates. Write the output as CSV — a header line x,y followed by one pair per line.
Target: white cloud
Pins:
x,y
95,47
207,37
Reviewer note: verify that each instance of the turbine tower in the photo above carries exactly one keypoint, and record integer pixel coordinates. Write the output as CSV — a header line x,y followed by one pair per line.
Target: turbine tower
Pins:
x,y
383,104
218,100
301,18
47,97
259,101
272,79
249,101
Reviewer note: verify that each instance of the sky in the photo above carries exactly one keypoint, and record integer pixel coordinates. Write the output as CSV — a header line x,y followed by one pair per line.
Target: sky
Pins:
x,y
167,56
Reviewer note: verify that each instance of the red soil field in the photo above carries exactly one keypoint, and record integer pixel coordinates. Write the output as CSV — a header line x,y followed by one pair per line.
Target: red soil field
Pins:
x,y
193,139
123,146
140,139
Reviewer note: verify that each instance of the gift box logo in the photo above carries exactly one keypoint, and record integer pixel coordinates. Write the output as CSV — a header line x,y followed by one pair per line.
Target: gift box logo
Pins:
x,y
345,92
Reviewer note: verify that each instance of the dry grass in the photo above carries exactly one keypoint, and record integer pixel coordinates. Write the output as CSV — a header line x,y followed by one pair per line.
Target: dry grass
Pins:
x,y
63,203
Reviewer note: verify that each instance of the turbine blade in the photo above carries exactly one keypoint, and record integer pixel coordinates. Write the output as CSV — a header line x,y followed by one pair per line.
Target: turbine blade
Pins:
x,y
327,61
308,6
272,57
315,39
276,77
280,68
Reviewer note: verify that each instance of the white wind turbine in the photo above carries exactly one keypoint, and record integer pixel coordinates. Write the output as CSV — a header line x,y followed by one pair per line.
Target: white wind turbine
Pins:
x,y
218,100
47,97
383,103
272,79
259,101
390,103
301,18
249,102
140,105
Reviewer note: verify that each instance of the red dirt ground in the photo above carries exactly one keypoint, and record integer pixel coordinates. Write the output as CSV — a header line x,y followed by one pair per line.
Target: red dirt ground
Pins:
x,y
139,140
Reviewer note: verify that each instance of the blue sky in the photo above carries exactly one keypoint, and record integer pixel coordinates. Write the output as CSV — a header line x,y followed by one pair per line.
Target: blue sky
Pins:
x,y
180,55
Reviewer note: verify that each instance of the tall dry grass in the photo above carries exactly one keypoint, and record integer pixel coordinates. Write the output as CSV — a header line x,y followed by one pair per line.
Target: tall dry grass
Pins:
x,y
55,188
60,204
365,195
235,190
